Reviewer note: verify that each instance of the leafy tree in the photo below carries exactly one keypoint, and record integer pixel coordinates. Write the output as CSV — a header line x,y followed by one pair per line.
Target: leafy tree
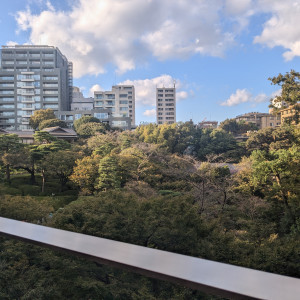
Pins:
x,y
39,116
61,164
26,208
290,93
277,173
90,129
85,120
273,139
9,144
103,144
85,173
52,123
216,142
109,177
236,128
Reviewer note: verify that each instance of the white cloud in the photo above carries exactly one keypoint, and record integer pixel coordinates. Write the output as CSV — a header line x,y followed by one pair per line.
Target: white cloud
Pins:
x,y
94,88
145,89
11,43
181,95
238,7
243,96
94,33
149,112
282,28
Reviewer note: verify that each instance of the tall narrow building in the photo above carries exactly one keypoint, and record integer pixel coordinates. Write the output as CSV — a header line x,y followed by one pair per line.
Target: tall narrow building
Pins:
x,y
121,101
32,78
166,105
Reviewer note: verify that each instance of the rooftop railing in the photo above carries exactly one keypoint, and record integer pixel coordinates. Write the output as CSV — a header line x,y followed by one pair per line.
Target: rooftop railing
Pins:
x,y
208,276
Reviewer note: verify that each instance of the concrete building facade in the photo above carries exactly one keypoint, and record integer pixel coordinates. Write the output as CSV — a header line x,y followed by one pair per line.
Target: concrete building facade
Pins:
x,y
261,120
32,78
165,105
120,101
79,102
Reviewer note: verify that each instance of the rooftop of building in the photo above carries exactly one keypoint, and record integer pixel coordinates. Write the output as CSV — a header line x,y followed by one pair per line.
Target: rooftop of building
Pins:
x,y
253,113
25,47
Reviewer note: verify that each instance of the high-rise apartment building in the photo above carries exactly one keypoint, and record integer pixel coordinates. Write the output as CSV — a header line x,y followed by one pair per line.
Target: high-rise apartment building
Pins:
x,y
32,78
121,101
166,105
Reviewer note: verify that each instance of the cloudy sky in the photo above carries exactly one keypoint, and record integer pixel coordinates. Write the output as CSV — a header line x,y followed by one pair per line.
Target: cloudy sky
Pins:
x,y
220,53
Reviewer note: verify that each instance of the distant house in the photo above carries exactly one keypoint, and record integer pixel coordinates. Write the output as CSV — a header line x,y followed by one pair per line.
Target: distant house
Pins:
x,y
26,137
66,134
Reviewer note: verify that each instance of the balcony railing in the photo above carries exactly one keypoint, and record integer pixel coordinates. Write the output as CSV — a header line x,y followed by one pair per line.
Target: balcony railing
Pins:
x,y
208,276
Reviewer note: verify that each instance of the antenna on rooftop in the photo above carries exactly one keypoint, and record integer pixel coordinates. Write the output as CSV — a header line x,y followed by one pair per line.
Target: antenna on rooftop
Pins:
x,y
174,81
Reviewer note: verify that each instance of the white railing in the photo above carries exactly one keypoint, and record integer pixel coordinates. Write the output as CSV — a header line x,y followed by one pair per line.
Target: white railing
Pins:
x,y
205,275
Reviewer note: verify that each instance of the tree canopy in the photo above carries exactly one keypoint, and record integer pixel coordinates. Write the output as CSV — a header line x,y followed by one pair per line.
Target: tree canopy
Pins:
x,y
290,93
40,116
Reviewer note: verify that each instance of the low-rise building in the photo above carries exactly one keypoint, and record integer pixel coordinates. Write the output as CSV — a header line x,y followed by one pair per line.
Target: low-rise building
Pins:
x,y
207,124
261,120
26,137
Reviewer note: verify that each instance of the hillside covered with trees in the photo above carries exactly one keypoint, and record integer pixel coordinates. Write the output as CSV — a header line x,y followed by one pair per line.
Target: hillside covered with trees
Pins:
x,y
174,187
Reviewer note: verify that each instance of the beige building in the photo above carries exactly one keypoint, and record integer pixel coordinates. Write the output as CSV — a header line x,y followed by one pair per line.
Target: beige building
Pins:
x,y
120,101
270,121
261,120
287,113
166,105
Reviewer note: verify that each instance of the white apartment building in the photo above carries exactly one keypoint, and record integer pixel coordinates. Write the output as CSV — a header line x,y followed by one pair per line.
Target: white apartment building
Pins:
x,y
121,101
165,105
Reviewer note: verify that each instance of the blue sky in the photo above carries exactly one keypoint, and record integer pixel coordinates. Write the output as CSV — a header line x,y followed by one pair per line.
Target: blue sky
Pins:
x,y
219,52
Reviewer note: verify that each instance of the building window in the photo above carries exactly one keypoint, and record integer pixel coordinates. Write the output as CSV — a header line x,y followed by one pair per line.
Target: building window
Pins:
x,y
77,116
99,96
101,115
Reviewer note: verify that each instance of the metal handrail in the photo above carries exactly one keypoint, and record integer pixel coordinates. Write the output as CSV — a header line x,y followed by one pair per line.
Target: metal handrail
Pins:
x,y
205,275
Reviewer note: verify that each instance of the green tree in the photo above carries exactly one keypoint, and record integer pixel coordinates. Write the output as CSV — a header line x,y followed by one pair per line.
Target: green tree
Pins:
x,y
290,93
85,173
9,145
109,177
236,128
91,128
84,120
273,139
60,164
52,123
39,116
217,143
277,172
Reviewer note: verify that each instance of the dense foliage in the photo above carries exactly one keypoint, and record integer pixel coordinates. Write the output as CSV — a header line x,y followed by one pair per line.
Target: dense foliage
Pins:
x,y
170,187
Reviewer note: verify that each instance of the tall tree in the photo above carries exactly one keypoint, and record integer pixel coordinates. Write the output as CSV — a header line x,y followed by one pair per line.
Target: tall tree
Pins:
x,y
85,173
52,123
84,120
290,93
9,144
39,116
60,164
109,176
